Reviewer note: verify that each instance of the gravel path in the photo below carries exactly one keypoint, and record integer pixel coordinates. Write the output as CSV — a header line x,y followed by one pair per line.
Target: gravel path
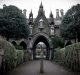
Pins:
x,y
33,68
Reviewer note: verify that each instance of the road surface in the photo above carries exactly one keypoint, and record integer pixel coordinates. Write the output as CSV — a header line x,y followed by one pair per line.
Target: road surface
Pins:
x,y
33,68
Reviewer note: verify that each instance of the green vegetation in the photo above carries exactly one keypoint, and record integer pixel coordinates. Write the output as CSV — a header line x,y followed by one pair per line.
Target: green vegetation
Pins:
x,y
57,41
19,47
20,56
9,54
70,26
68,56
13,24
12,57
27,56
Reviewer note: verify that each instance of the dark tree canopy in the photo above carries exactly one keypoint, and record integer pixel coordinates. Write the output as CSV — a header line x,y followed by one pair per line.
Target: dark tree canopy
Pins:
x,y
57,42
13,24
70,26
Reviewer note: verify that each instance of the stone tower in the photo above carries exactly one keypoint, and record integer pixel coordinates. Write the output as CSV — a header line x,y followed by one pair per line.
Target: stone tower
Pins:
x,y
31,22
41,22
51,24
57,14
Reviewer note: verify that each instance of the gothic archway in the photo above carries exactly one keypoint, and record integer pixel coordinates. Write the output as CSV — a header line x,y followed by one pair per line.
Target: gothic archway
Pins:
x,y
43,39
23,44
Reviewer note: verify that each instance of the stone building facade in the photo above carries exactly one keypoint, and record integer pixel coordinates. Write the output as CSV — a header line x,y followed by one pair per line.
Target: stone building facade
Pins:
x,y
42,29
50,25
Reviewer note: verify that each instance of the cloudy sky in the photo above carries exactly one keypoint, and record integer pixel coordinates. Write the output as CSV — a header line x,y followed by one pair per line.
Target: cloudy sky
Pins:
x,y
49,5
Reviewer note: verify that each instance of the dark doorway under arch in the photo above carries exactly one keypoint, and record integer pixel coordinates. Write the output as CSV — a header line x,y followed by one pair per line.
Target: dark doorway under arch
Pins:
x,y
14,43
23,44
45,41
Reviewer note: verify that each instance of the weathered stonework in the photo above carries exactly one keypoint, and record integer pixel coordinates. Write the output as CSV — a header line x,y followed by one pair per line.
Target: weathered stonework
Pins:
x,y
42,29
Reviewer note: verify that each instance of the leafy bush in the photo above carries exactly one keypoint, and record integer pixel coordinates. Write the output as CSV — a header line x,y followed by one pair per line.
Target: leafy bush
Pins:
x,y
69,56
9,54
58,42
20,55
19,47
12,57
27,56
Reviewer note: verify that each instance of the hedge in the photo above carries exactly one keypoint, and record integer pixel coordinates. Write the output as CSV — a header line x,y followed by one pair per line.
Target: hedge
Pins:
x,y
12,57
68,56
9,54
27,56
20,56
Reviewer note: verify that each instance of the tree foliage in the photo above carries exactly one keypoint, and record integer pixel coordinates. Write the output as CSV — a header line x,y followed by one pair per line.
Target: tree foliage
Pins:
x,y
70,26
13,24
58,42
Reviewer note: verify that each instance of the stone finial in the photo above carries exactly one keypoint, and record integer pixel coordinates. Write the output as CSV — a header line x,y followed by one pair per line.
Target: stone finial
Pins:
x,y
57,13
62,12
4,5
24,12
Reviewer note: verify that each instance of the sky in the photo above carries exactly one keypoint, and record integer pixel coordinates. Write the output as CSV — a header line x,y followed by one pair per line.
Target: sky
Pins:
x,y
49,5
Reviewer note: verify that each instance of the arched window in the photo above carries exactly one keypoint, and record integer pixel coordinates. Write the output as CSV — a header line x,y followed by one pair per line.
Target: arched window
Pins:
x,y
30,29
52,30
41,24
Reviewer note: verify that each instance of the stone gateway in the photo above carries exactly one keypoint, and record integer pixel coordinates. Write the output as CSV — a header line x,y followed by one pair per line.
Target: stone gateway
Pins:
x,y
42,29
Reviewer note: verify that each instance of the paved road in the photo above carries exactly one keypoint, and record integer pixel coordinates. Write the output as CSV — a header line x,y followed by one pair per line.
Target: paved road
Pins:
x,y
33,68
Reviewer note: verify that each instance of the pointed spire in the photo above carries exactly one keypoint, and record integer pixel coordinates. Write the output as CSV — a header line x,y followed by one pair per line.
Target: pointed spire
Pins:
x,y
51,18
31,11
31,18
41,6
51,15
31,14
41,10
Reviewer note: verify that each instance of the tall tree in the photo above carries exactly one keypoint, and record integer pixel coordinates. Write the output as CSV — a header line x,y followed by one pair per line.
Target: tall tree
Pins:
x,y
70,26
57,42
13,24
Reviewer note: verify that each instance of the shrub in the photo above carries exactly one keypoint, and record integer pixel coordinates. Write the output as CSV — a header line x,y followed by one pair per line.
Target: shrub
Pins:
x,y
19,47
9,54
27,56
69,56
12,57
20,56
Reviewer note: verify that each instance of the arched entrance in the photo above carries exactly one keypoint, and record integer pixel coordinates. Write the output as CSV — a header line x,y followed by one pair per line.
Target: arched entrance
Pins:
x,y
40,47
41,38
14,43
23,44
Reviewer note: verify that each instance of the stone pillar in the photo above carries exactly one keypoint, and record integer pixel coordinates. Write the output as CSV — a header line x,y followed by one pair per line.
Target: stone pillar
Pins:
x,y
32,54
62,12
57,14
50,54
